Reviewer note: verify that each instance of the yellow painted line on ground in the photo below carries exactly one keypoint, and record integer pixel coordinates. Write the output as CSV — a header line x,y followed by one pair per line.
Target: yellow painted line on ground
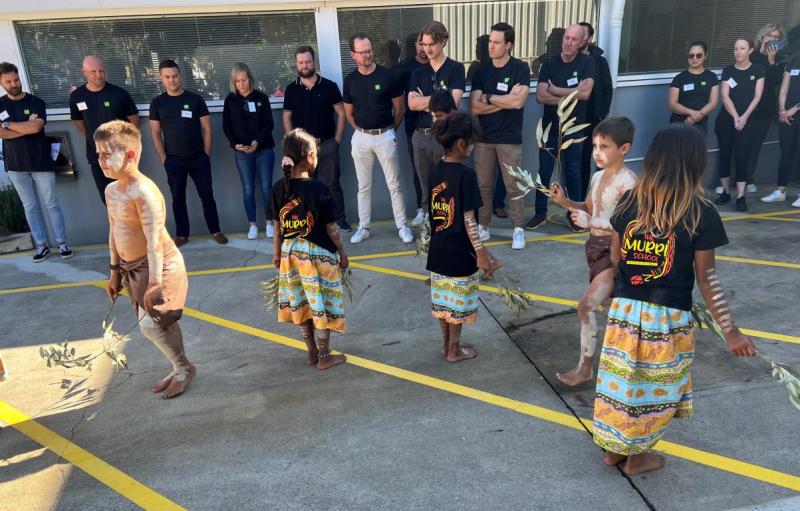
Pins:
x,y
49,287
761,216
119,481
717,461
781,219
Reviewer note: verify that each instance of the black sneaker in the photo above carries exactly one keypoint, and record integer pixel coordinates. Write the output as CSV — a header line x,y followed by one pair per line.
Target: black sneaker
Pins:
x,y
66,252
344,226
741,204
536,222
724,198
41,254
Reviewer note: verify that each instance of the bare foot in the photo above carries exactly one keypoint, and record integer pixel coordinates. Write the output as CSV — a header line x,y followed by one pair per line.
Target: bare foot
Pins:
x,y
641,463
463,345
330,361
162,384
179,383
580,374
463,353
312,357
612,458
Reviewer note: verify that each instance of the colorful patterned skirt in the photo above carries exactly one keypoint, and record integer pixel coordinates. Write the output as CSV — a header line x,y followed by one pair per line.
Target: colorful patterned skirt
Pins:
x,y
644,379
455,299
310,286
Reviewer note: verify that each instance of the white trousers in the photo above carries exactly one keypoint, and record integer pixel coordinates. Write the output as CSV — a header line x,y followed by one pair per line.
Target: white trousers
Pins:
x,y
364,149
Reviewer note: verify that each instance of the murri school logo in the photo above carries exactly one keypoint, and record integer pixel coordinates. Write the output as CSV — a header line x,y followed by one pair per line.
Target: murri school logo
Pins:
x,y
295,220
443,210
656,255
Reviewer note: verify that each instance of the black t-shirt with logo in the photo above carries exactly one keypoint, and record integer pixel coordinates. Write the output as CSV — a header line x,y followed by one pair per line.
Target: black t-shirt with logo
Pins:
x,y
245,119
453,190
742,85
567,75
505,126
773,74
95,108
402,73
180,123
793,95
305,211
449,76
29,153
694,91
312,109
371,96
661,270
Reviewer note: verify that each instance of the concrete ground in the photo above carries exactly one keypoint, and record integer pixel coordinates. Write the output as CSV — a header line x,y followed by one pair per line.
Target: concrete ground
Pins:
x,y
397,427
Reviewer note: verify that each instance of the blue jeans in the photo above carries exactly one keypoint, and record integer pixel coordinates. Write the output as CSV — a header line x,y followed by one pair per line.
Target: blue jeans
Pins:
x,y
258,164
571,178
27,185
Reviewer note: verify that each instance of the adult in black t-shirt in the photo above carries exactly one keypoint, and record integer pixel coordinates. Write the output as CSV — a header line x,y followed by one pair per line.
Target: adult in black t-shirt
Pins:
x,y
693,93
440,73
560,76
314,103
500,89
788,129
97,102
27,160
373,104
741,89
181,130
247,124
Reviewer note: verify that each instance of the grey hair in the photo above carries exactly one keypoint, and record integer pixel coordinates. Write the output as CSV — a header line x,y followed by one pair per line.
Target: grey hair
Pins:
x,y
241,67
767,29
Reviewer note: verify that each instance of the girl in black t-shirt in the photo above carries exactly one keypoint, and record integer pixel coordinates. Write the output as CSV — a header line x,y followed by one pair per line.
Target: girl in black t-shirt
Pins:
x,y
693,94
742,86
308,251
455,253
665,236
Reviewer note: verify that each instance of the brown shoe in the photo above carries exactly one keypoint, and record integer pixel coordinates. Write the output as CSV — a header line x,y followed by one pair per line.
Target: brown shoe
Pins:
x,y
220,238
181,240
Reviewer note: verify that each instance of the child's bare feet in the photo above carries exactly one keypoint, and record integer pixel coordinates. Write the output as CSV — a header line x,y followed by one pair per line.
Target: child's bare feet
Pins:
x,y
459,352
641,463
463,345
312,357
179,383
579,374
330,360
612,458
163,383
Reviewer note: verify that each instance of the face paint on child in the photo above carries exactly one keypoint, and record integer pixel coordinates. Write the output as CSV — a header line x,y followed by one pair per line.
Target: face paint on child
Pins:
x,y
111,159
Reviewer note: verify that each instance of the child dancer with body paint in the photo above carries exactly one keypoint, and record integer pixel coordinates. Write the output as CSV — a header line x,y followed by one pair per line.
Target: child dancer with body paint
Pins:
x,y
665,233
308,251
612,140
455,253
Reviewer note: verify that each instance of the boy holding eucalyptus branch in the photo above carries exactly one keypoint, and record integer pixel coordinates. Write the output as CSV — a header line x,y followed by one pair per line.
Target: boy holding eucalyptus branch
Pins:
x,y
612,140
144,259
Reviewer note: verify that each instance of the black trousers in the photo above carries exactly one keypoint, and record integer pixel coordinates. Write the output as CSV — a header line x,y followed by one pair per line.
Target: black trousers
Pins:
x,y
100,180
760,129
417,188
329,173
788,135
733,144
179,170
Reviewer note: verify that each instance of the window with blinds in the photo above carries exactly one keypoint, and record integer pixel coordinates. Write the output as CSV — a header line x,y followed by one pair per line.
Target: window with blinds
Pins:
x,y
656,35
539,25
205,46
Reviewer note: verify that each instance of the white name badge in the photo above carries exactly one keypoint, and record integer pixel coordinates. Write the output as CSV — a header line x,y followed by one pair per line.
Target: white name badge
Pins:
x,y
186,113
794,72
688,87
4,115
503,87
82,106
251,106
572,81
732,83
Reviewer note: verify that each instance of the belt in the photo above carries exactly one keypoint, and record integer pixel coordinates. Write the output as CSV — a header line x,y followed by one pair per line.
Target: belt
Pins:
x,y
377,131
426,131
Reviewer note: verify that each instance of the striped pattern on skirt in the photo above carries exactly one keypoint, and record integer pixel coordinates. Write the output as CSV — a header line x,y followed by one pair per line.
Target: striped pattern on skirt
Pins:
x,y
455,299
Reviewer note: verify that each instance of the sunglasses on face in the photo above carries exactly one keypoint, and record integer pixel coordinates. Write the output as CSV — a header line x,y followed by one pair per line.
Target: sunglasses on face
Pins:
x,y
696,55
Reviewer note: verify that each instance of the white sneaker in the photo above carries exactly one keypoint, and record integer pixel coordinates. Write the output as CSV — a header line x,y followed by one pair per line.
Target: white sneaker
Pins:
x,y
360,235
419,219
751,188
518,239
270,230
483,234
252,232
796,203
776,196
406,235
718,190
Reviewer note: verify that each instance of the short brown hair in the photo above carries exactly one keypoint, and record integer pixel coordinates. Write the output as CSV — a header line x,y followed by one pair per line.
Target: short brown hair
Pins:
x,y
618,129
120,135
8,67
304,49
436,30
358,35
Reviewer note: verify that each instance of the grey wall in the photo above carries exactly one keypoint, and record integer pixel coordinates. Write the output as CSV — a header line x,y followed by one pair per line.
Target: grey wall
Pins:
x,y
87,222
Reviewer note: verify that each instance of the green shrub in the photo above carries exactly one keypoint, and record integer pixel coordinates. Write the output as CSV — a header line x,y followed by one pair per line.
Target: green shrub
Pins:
x,y
12,214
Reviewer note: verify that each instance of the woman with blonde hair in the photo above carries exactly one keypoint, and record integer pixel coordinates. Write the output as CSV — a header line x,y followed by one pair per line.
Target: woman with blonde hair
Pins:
x,y
247,123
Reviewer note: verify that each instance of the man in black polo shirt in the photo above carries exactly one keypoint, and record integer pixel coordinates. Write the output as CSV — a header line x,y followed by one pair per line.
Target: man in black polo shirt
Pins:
x,y
310,103
95,103
500,89
559,76
373,103
403,72
181,118
441,72
28,162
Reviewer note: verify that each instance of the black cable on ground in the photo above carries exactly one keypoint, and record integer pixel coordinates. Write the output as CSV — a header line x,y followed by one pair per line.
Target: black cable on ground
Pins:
x,y
566,404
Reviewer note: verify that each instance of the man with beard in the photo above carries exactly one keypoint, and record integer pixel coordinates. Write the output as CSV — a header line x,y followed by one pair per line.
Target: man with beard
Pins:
x,y
310,102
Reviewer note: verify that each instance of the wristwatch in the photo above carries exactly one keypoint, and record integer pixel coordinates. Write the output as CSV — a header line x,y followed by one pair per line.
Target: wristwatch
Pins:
x,y
489,99
5,125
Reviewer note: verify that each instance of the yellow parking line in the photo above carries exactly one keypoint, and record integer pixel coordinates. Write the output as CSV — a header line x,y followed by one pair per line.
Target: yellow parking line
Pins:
x,y
709,459
762,216
48,287
119,481
781,219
